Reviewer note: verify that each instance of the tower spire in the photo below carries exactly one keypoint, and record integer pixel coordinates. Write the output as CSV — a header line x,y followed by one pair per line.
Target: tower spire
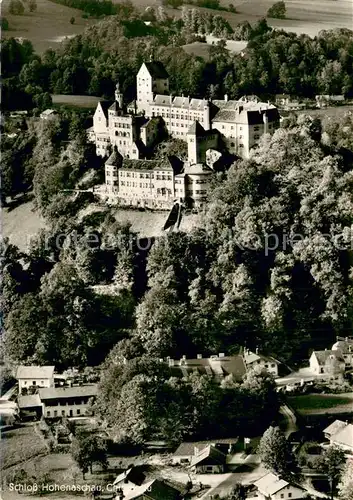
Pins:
x,y
119,96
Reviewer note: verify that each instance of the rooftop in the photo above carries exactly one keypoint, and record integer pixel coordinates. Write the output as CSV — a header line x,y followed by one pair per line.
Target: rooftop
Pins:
x,y
270,484
30,401
134,475
157,70
344,436
155,490
114,159
211,454
180,102
335,427
188,448
68,392
105,105
35,372
213,366
129,164
323,356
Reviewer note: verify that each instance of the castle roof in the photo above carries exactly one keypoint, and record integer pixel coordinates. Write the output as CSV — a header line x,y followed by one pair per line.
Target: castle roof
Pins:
x,y
157,70
105,105
130,164
197,169
196,129
114,159
180,102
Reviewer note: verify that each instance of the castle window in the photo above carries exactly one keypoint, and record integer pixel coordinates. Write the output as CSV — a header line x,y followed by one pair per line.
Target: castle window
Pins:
x,y
256,128
232,144
256,136
240,137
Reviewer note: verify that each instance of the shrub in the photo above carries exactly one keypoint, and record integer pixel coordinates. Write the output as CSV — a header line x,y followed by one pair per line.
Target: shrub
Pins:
x,y
4,24
16,8
277,11
231,8
72,20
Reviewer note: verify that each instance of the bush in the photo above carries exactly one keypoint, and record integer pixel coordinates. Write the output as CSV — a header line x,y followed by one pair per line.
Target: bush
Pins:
x,y
16,8
4,24
277,11
231,8
72,20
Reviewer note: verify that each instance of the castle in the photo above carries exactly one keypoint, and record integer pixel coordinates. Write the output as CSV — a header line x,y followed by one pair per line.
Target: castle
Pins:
x,y
210,128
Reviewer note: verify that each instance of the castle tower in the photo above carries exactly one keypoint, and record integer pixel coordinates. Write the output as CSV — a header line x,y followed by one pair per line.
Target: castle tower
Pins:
x,y
119,96
194,133
152,79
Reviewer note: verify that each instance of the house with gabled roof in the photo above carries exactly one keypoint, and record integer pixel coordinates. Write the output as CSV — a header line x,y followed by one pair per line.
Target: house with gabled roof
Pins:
x,y
188,450
34,376
217,366
129,480
254,359
210,460
155,489
327,362
272,487
344,345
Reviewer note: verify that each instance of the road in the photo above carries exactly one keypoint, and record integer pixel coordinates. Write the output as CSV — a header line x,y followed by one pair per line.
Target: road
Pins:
x,y
290,420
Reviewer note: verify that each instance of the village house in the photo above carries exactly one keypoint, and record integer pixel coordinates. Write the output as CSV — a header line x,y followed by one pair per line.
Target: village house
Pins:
x,y
267,363
272,487
34,376
327,362
152,490
344,346
48,114
210,460
129,480
66,401
217,366
188,450
340,434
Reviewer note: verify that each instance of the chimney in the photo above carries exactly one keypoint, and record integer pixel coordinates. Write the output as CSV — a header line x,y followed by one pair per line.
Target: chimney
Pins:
x,y
199,356
325,349
226,97
257,350
346,339
171,362
161,360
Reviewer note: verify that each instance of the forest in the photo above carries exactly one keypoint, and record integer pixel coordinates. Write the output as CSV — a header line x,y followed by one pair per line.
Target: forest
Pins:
x,y
270,266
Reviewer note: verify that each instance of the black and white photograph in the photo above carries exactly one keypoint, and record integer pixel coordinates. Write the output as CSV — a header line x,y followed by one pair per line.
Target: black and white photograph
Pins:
x,y
176,234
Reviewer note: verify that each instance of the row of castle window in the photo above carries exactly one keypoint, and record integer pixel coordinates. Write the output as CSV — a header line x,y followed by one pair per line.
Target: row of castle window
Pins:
x,y
123,134
134,184
122,125
175,115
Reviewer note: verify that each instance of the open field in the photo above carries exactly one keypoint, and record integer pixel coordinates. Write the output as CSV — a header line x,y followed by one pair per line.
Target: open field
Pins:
x,y
20,444
310,404
303,16
79,101
331,112
47,27
202,49
21,224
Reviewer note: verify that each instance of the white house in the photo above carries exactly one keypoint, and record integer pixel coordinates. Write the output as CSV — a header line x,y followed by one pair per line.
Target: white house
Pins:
x,y
273,487
344,345
327,362
257,360
39,376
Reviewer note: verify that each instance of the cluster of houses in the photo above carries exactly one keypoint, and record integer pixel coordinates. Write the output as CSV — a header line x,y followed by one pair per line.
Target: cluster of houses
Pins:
x,y
43,393
213,129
